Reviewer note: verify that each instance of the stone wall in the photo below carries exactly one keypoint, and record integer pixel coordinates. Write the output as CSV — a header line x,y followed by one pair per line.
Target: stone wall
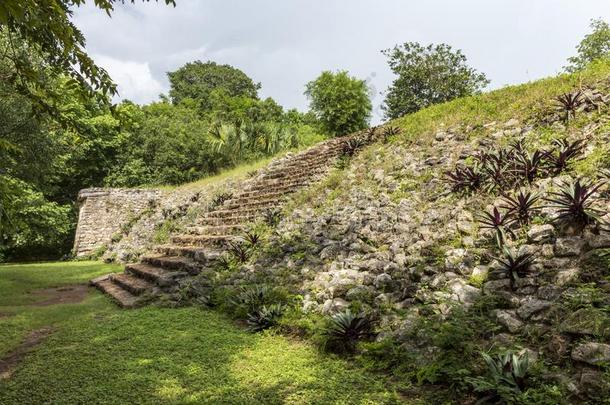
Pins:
x,y
104,212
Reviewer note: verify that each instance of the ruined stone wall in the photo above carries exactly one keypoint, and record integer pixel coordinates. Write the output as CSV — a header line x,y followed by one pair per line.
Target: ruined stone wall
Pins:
x,y
104,212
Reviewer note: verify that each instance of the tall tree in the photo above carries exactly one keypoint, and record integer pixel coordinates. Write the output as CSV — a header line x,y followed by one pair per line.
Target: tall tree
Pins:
x,y
428,75
198,81
595,45
340,102
46,25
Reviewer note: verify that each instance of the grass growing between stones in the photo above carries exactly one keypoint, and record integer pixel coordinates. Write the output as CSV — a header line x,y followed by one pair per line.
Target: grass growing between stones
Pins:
x,y
98,353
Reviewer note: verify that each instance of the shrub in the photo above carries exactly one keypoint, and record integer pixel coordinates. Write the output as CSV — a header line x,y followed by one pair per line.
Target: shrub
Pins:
x,y
345,330
265,317
506,378
251,298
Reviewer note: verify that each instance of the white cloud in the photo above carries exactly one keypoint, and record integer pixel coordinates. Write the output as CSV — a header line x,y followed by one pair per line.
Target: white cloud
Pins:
x,y
134,79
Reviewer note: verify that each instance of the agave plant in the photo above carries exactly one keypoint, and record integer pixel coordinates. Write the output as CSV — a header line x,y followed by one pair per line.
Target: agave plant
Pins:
x,y
239,250
344,331
221,198
523,206
566,151
272,216
465,178
371,134
251,298
498,222
265,317
506,378
515,264
569,103
574,203
352,145
252,238
389,132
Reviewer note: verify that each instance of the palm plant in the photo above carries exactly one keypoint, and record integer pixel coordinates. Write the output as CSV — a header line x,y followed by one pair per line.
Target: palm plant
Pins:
x,y
569,103
498,222
574,203
515,264
523,205
566,151
344,331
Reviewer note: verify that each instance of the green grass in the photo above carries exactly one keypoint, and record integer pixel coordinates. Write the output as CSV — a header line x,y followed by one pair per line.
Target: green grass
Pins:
x,y
101,354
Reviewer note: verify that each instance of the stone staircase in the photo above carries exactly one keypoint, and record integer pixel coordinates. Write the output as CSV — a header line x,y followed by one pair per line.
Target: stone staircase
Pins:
x,y
206,240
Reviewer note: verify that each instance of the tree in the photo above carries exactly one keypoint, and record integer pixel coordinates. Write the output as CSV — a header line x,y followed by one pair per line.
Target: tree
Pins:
x,y
340,102
594,46
428,75
46,25
198,80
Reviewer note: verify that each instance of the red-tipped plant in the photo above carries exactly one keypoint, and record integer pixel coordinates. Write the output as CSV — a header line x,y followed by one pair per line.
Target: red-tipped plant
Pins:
x,y
523,206
558,159
515,264
569,103
465,179
498,222
574,203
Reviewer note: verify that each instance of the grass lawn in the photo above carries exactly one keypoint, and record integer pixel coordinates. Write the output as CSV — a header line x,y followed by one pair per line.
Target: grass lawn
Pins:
x,y
98,353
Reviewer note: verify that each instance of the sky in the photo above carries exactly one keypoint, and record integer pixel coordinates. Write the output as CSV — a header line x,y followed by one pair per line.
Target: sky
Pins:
x,y
283,44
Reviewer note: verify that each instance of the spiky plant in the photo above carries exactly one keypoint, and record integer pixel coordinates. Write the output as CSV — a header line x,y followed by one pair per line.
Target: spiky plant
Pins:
x,y
345,330
353,145
569,103
272,216
221,198
523,206
239,250
265,317
574,203
498,222
251,298
467,179
565,151
506,378
496,167
371,134
515,264
252,238
389,132
528,165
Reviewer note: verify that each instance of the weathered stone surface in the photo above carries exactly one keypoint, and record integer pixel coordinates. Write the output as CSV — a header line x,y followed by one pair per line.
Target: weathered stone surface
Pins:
x,y
463,292
332,306
496,285
541,233
458,260
587,321
568,247
531,306
564,277
592,353
509,320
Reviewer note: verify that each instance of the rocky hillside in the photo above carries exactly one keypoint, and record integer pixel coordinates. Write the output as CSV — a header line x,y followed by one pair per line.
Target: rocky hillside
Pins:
x,y
477,226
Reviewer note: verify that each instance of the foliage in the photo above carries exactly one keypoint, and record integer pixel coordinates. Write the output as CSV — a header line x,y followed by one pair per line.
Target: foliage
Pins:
x,y
272,216
523,205
265,317
220,198
594,46
239,251
47,26
498,222
515,264
506,378
198,81
252,238
340,102
467,179
566,152
428,75
344,330
569,103
574,203
390,132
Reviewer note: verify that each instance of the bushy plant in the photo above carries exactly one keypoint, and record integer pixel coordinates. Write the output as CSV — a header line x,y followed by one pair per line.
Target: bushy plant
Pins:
x,y
575,204
272,216
389,132
251,298
467,179
505,380
344,330
252,238
523,206
569,103
498,222
515,264
566,151
239,251
265,317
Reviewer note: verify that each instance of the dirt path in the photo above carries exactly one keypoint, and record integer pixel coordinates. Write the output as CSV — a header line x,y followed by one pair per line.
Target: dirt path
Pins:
x,y
71,294
13,358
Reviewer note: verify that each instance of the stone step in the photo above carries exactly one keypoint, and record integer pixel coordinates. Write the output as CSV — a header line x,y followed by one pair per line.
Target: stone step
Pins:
x,y
173,263
257,205
286,189
230,213
217,241
148,272
135,285
215,230
123,297
238,220
296,172
205,256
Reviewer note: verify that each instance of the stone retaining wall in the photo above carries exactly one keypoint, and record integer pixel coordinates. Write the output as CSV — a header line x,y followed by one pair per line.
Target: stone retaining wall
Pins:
x,y
104,212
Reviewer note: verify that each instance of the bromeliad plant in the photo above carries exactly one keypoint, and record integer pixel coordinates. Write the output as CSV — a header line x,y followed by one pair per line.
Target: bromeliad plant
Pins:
x,y
506,378
575,204
239,251
389,132
515,265
220,199
528,165
566,151
499,223
252,238
522,206
353,145
251,298
265,317
468,179
569,103
345,330
272,216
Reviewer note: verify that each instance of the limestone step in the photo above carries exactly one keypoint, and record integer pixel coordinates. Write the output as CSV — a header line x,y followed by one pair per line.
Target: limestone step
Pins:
x,y
123,297
205,256
135,285
173,263
286,189
219,241
215,230
248,203
237,220
147,272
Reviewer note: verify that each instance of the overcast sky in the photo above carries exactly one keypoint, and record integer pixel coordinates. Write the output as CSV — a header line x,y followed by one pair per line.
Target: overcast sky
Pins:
x,y
283,44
